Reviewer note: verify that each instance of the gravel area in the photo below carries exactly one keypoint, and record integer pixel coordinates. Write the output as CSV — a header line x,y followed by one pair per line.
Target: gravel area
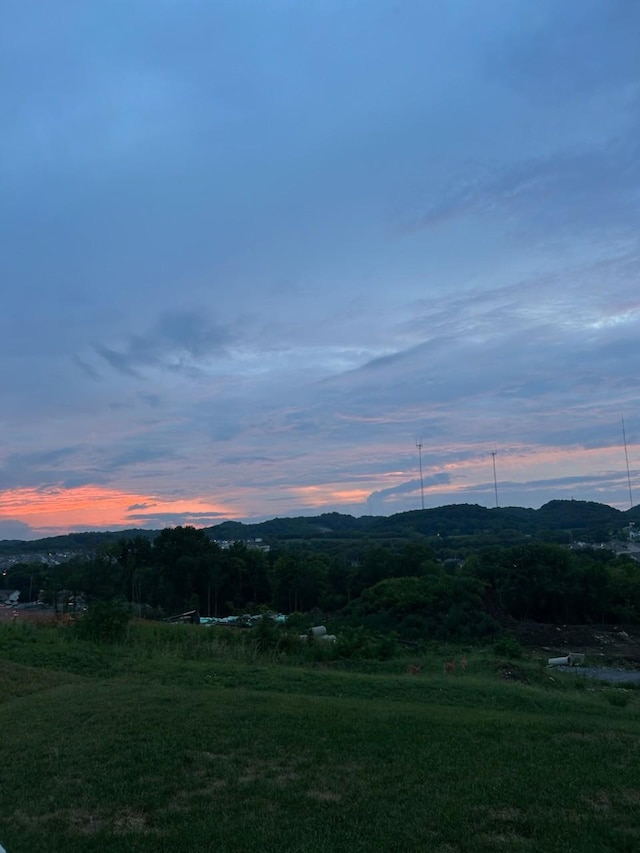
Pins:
x,y
603,673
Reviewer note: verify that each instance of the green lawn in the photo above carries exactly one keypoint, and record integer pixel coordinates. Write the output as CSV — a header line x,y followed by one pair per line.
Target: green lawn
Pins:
x,y
148,748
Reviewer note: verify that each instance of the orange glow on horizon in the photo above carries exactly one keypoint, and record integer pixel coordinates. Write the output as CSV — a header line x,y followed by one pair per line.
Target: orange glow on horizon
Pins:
x,y
57,509
94,506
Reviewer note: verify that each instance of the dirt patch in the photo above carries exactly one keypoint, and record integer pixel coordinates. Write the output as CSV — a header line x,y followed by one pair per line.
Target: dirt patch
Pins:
x,y
609,642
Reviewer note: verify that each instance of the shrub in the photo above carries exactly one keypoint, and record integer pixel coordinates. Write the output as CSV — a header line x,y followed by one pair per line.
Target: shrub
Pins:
x,y
104,622
508,647
265,634
353,643
384,648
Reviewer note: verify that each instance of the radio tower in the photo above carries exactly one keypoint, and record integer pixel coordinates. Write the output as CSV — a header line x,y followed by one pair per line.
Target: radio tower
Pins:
x,y
495,481
626,456
419,446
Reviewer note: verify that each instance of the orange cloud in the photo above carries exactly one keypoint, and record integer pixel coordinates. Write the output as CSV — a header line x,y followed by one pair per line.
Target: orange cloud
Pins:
x,y
330,494
92,506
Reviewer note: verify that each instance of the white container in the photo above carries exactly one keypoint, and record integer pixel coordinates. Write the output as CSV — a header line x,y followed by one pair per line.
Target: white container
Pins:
x,y
318,631
565,661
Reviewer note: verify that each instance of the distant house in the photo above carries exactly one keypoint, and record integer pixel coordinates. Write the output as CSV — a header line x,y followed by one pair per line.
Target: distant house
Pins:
x,y
9,597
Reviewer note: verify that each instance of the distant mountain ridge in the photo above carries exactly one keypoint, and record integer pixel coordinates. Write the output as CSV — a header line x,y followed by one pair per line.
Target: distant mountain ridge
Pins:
x,y
449,520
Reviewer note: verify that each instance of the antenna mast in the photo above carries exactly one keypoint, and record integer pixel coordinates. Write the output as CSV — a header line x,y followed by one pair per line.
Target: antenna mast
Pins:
x,y
419,446
495,481
626,456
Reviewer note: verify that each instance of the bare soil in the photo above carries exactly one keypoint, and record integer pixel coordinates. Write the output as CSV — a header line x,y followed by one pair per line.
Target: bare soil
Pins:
x,y
609,643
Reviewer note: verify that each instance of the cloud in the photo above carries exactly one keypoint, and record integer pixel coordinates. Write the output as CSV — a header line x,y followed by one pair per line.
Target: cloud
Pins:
x,y
13,529
162,519
561,337
161,185
118,361
39,467
563,164
408,493
246,460
438,479
607,487
567,194
130,453
580,51
178,341
90,507
86,368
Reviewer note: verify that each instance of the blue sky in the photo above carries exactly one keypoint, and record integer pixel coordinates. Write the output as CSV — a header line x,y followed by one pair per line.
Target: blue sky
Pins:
x,y
253,251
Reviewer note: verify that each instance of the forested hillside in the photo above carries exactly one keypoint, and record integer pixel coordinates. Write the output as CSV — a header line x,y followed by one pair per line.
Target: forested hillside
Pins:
x,y
578,519
460,571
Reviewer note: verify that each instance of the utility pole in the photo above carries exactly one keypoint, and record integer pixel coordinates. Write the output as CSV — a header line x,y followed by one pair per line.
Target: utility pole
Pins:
x,y
419,446
495,481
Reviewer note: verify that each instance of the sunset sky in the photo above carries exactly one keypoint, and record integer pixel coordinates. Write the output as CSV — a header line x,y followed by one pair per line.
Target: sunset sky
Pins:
x,y
253,251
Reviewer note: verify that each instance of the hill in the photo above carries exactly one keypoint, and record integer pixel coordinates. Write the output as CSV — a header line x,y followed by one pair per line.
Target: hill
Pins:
x,y
575,518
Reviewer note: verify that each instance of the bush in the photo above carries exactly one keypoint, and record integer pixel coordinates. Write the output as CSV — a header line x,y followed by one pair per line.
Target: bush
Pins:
x,y
508,647
265,634
104,622
352,642
385,648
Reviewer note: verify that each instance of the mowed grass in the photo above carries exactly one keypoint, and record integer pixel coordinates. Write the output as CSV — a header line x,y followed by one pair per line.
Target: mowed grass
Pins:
x,y
157,750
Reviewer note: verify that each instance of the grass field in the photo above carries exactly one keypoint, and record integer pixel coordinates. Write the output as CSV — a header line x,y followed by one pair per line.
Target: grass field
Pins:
x,y
171,741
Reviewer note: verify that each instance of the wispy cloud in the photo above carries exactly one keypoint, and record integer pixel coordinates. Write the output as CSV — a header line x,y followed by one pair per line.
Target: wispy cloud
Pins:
x,y
178,341
162,519
590,192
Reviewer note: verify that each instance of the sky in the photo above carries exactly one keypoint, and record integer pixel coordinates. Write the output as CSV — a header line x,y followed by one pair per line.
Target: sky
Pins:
x,y
254,252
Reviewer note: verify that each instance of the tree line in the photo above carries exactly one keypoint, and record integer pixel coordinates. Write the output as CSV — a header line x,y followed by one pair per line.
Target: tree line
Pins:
x,y
399,586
